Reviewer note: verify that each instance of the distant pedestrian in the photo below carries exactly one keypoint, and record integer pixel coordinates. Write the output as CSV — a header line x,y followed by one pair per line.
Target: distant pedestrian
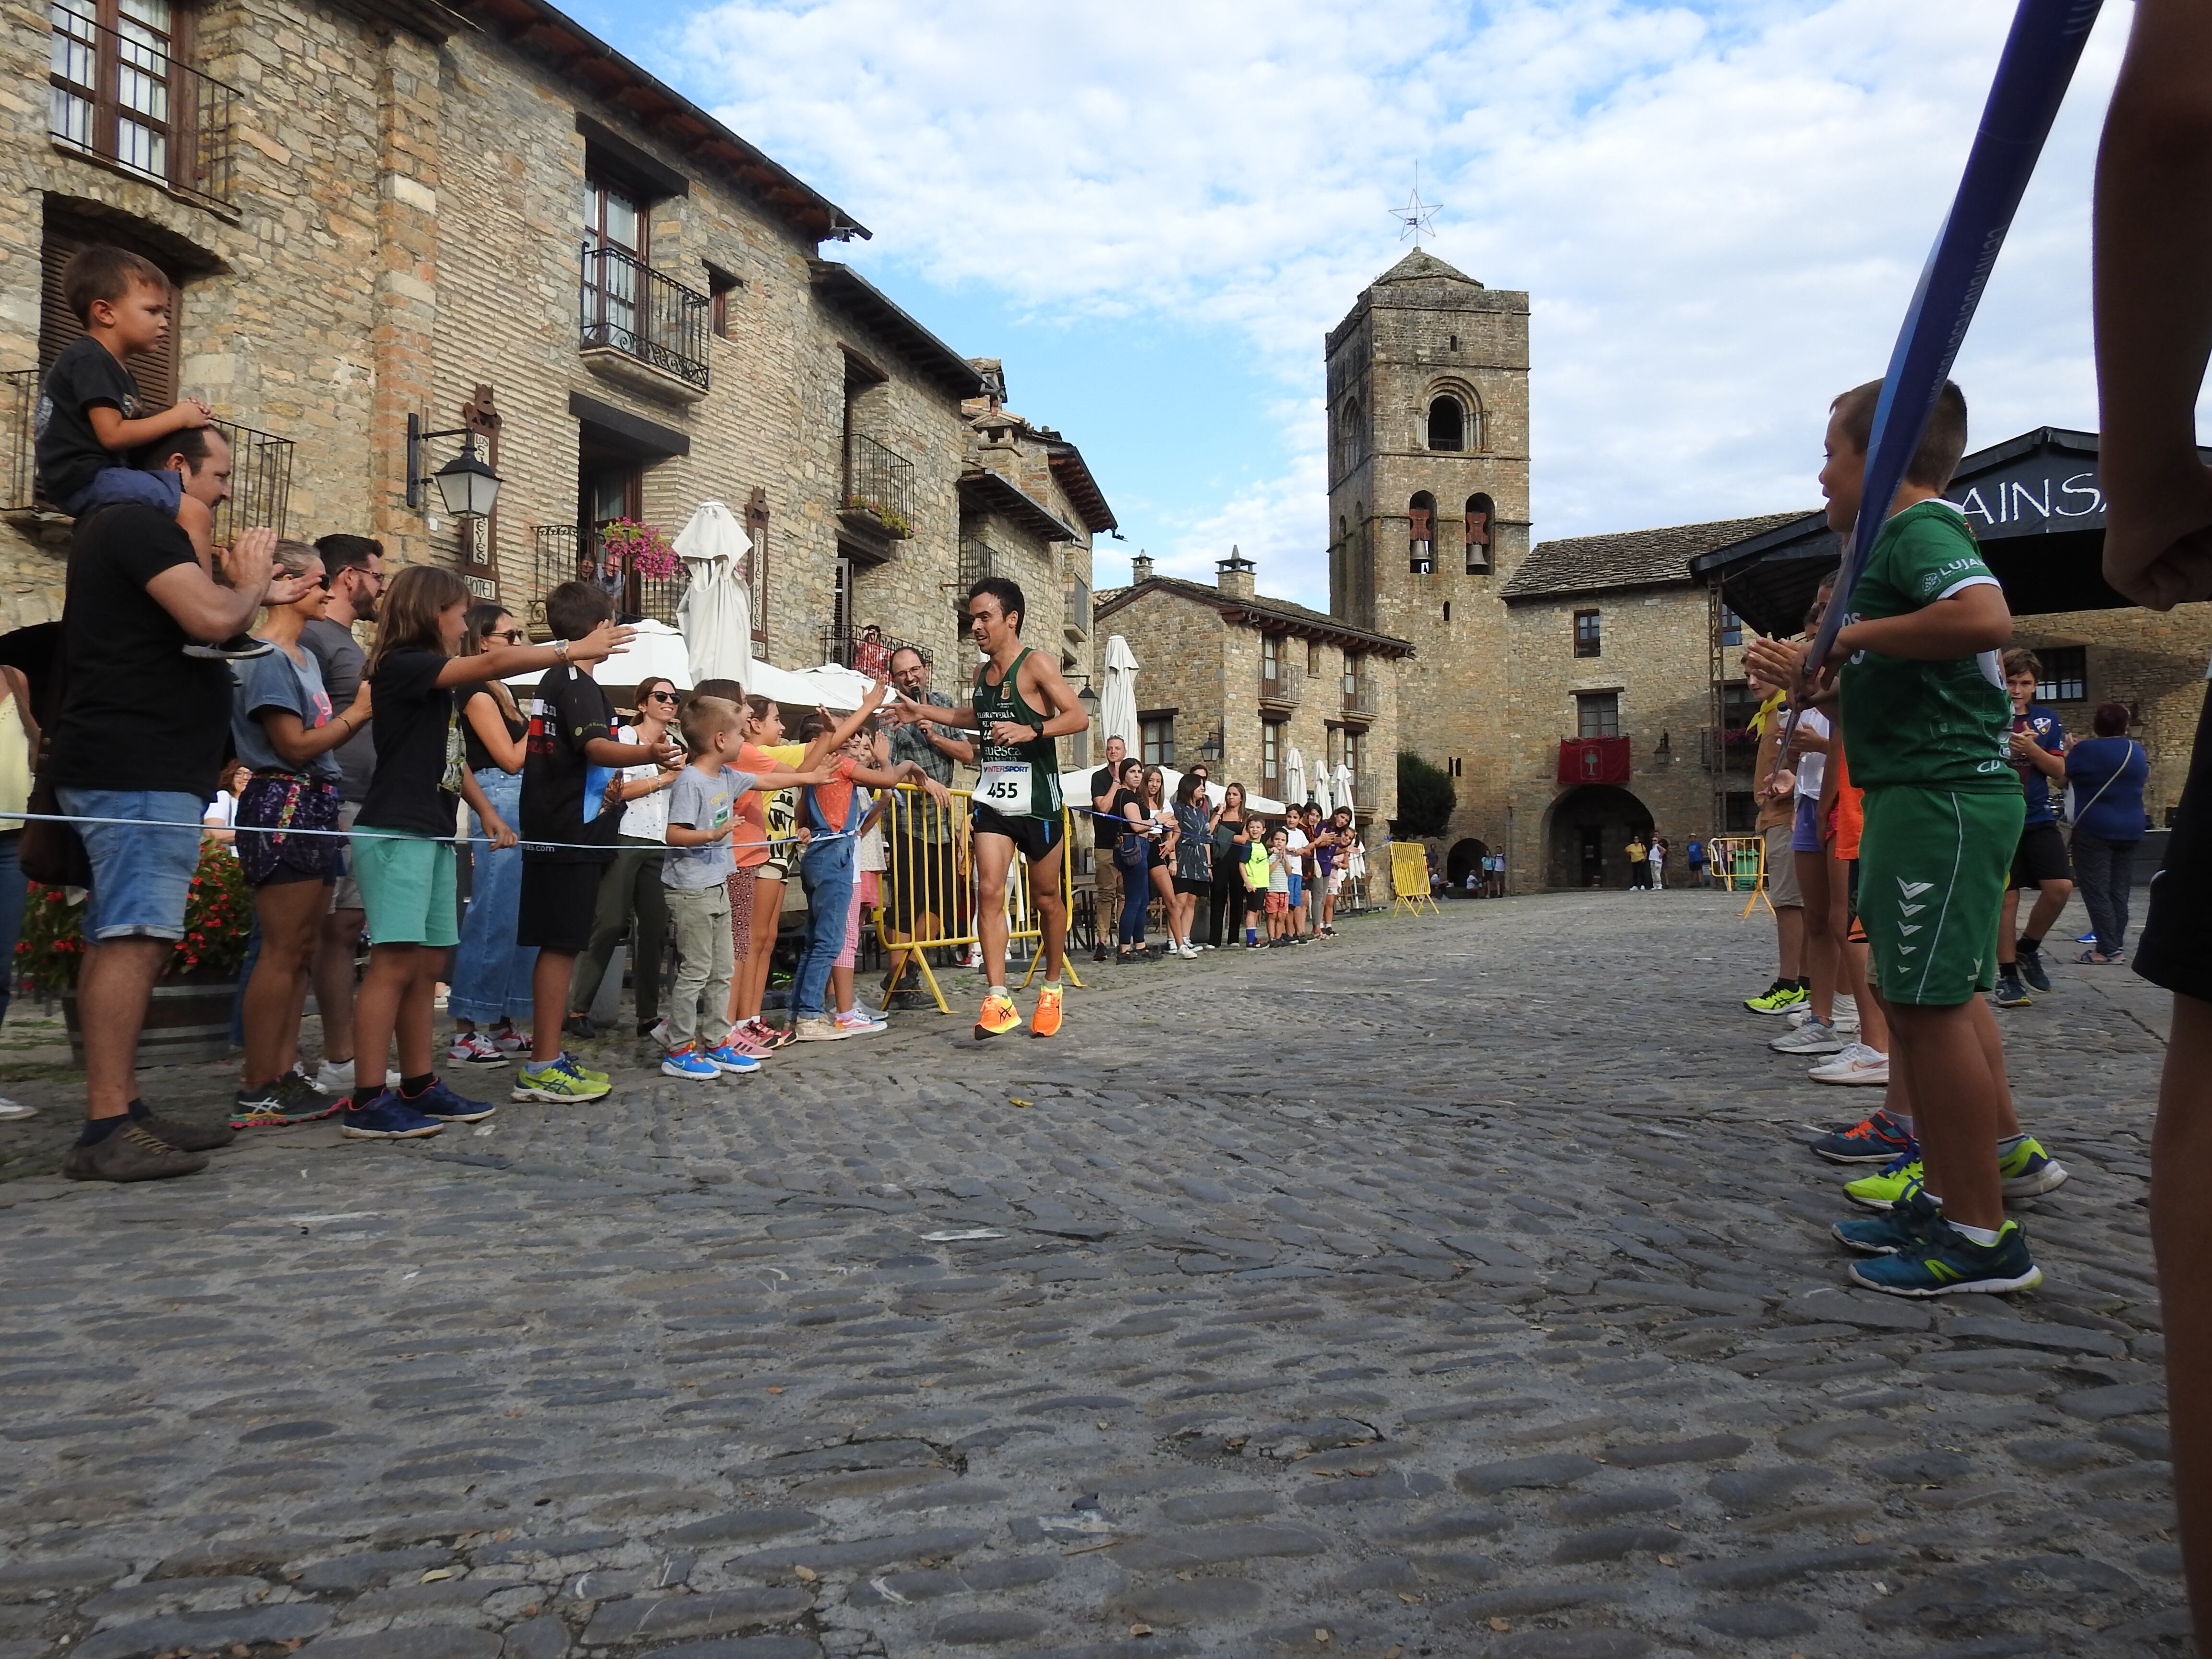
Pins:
x,y
1693,854
1657,860
2106,775
1639,869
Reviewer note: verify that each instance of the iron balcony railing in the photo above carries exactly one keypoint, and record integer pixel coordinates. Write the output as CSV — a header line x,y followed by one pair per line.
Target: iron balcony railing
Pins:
x,y
21,413
626,305
1359,698
572,553
118,96
1366,795
867,649
260,464
880,481
1279,684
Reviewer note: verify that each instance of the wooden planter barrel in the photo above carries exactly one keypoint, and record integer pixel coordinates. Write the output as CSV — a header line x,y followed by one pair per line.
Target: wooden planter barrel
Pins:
x,y
187,1020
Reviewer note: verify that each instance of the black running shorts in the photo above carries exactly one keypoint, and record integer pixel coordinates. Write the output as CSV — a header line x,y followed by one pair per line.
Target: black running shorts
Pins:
x,y
1035,836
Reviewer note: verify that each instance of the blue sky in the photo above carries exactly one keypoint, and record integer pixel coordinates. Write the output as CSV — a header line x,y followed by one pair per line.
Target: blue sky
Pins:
x,y
1152,211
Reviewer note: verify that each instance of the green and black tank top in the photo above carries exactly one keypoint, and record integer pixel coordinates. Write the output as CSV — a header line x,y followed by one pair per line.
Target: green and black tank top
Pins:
x,y
1002,701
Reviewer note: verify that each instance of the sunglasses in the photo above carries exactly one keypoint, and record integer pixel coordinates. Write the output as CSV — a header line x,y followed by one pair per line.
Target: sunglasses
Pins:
x,y
662,696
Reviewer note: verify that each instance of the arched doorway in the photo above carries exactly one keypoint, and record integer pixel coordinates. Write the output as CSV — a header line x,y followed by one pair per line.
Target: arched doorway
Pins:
x,y
1590,830
1465,856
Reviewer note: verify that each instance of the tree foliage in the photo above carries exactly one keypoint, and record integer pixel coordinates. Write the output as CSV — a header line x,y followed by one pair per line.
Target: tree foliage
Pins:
x,y
1426,798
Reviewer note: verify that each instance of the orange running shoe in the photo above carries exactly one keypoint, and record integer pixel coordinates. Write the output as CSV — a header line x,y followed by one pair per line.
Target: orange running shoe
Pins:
x,y
1000,1016
1046,1021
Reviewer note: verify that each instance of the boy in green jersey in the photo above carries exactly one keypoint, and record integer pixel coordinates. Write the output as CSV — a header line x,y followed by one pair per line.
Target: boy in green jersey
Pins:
x,y
1925,720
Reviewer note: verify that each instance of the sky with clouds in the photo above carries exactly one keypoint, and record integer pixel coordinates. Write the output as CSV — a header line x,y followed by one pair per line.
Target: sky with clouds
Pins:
x,y
1153,210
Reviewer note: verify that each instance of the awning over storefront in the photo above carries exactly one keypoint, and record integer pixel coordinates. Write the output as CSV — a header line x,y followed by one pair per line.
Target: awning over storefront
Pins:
x,y
2034,503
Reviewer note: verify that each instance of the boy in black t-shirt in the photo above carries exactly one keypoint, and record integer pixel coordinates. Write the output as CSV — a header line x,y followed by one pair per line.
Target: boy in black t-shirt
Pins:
x,y
88,420
571,739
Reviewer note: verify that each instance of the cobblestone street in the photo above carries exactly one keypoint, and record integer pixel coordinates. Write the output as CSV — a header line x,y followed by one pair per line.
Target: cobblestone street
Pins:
x,y
1458,1287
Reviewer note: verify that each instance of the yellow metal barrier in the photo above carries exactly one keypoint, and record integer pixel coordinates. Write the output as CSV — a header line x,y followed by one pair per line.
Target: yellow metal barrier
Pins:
x,y
1741,863
929,887
1409,878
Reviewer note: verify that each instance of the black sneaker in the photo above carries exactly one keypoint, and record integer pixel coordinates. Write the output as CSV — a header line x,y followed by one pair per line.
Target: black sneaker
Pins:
x,y
290,1099
236,649
2011,993
131,1154
579,1025
2030,967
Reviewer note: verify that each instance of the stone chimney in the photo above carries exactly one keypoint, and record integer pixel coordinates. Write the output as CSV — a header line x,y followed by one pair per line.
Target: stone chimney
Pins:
x,y
1140,568
1233,575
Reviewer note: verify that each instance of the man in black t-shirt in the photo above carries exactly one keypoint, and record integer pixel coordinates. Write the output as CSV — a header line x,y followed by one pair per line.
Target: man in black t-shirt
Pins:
x,y
1105,874
571,736
140,731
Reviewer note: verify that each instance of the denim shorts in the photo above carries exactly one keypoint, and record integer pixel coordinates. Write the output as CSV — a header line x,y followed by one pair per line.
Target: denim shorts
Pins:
x,y
113,485
140,877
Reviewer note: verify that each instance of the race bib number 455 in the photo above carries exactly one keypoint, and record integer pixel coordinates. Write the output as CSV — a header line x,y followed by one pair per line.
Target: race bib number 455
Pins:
x,y
1005,788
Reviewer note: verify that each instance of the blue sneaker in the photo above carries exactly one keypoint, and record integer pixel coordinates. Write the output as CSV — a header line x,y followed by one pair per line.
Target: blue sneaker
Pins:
x,y
1903,1227
386,1117
733,1062
689,1062
1876,1140
1944,1262
442,1103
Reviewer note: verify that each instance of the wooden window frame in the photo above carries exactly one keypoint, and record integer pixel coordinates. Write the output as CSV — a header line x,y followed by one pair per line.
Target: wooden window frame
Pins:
x,y
1589,641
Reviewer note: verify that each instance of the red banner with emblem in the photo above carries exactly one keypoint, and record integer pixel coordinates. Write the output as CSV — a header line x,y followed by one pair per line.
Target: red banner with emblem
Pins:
x,y
1593,760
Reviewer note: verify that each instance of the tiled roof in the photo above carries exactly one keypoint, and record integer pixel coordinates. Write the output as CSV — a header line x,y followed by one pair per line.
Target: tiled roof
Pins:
x,y
1259,611
1632,558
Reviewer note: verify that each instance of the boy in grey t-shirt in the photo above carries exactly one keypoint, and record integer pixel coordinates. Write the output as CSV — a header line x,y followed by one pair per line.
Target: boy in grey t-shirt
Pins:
x,y
703,813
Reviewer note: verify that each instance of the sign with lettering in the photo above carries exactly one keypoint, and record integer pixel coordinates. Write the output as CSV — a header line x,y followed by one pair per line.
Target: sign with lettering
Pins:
x,y
2038,495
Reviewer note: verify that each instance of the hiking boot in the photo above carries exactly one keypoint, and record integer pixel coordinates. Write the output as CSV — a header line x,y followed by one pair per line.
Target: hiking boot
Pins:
x,y
131,1153
190,1137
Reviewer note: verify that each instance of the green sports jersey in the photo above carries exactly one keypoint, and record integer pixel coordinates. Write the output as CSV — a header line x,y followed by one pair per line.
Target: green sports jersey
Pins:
x,y
1928,724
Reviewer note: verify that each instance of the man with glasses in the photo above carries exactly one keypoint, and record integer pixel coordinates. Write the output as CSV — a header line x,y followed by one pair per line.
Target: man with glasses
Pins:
x,y
923,876
353,571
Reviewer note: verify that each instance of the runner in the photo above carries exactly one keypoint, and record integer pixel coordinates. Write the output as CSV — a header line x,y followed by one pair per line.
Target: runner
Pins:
x,y
1022,706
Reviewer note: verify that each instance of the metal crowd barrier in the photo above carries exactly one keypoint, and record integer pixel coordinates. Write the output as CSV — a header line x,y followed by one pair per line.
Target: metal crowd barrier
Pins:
x,y
929,888
1741,863
1409,878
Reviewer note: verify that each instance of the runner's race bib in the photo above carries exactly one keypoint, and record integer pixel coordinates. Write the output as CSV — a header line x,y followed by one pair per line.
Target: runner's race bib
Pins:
x,y
1005,788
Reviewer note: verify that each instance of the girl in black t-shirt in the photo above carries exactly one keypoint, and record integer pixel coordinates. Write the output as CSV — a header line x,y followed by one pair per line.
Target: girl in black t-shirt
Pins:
x,y
403,847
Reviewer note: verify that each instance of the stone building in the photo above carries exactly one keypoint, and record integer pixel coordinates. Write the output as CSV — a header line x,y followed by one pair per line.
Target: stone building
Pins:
x,y
1428,505
395,215
1239,679
1609,637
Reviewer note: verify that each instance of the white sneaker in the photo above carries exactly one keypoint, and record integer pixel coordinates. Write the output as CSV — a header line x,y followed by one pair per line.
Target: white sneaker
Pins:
x,y
334,1077
1810,1039
1858,1064
818,1028
657,1034
467,1048
13,1110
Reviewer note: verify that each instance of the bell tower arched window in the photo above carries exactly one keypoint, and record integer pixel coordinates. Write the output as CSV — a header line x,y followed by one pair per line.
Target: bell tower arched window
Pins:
x,y
1481,514
1447,423
1421,533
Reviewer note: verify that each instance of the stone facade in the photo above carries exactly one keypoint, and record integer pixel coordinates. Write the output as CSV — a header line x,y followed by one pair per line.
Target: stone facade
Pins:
x,y
2152,661
1262,677
1421,344
403,225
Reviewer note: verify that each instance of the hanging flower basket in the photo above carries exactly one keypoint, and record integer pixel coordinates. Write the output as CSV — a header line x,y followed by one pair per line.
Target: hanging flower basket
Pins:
x,y
625,545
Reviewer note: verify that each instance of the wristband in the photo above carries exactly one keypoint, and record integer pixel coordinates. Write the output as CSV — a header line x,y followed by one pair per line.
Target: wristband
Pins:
x,y
561,649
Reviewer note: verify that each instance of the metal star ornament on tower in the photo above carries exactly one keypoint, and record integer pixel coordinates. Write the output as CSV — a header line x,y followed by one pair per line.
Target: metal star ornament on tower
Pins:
x,y
1417,217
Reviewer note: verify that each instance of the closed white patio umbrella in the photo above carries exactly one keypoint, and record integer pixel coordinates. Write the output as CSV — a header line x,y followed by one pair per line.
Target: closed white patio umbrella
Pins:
x,y
715,615
1294,778
1341,786
1117,705
1323,797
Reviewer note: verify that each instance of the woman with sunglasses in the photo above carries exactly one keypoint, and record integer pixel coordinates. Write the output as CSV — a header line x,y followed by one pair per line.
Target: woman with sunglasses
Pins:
x,y
491,973
631,886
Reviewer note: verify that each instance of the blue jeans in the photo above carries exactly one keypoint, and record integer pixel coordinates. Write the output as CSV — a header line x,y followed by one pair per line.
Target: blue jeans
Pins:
x,y
141,876
826,869
491,972
11,913
1136,897
111,485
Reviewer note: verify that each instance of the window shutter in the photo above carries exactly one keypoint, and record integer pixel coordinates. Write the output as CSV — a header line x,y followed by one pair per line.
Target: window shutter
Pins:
x,y
155,371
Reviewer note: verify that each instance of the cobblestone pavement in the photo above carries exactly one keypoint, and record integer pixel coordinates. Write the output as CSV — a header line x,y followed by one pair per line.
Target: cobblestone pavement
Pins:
x,y
1461,1286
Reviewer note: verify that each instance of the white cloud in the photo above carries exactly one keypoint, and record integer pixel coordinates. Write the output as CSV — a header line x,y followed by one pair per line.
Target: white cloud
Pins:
x,y
1719,211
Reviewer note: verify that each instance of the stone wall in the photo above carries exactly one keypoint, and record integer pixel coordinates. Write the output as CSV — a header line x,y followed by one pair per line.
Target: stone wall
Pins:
x,y
2152,661
406,226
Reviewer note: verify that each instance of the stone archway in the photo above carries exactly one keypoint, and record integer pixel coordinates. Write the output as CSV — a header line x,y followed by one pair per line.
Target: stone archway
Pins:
x,y
1589,827
1465,856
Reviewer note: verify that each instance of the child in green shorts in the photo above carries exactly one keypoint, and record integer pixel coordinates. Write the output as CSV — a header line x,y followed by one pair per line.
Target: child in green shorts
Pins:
x,y
1925,719
403,845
